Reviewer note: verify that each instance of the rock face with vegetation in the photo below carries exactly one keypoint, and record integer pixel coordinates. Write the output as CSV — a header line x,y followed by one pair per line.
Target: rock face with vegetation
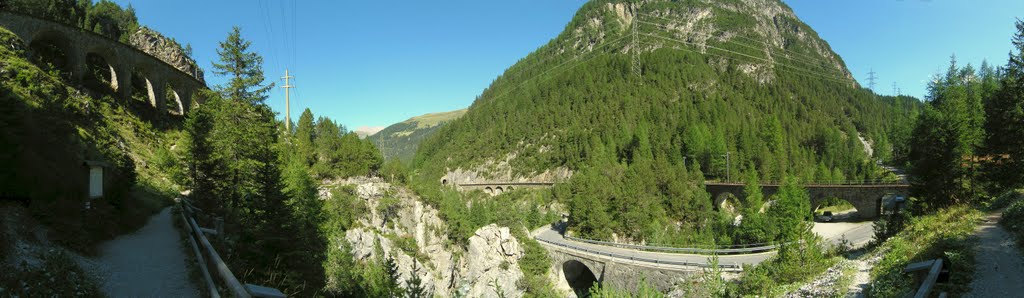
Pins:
x,y
399,226
167,50
400,140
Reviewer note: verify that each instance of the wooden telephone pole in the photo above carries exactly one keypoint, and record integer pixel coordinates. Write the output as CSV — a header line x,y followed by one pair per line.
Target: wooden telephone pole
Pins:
x,y
287,102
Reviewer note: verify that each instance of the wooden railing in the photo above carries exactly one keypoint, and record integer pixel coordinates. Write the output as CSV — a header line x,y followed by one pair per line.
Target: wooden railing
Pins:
x,y
197,234
934,268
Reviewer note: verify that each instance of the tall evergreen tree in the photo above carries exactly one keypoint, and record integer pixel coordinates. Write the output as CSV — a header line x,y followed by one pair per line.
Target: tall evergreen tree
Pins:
x,y
243,68
414,285
948,135
1005,120
304,138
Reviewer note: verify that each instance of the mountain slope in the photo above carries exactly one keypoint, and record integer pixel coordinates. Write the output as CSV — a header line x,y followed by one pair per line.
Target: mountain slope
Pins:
x,y
718,90
703,65
400,140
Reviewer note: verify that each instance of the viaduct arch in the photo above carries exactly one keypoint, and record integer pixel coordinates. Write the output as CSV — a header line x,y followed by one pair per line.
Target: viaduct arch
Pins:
x,y
867,198
85,56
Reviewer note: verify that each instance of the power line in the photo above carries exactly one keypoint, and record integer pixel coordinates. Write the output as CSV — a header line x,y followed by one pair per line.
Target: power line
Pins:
x,y
733,42
794,68
766,46
636,49
517,86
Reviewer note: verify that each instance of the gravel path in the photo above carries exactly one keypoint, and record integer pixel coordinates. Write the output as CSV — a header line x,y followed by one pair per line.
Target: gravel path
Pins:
x,y
147,263
1000,267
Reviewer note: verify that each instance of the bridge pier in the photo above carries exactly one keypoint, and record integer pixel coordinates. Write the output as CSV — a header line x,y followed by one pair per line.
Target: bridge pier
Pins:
x,y
123,80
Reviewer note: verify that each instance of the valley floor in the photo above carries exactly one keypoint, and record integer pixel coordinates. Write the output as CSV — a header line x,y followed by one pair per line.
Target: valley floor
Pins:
x,y
147,263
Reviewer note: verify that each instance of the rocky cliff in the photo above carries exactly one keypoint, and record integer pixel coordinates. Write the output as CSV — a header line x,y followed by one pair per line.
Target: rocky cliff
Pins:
x,y
487,265
166,49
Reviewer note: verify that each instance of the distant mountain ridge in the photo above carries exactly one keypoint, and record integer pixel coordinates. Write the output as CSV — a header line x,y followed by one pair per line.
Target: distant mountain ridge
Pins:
x,y
400,140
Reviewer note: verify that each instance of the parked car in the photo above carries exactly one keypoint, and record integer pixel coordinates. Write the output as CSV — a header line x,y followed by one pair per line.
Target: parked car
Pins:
x,y
826,217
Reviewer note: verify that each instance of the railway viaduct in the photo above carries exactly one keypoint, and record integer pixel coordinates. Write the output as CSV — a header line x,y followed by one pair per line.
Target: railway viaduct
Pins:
x,y
83,53
867,198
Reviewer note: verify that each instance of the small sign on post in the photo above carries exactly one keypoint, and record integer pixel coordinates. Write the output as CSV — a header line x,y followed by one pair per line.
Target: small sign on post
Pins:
x,y
96,178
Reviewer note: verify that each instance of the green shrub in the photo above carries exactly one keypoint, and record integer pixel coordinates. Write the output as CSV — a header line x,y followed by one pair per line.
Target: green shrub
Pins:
x,y
946,233
1013,220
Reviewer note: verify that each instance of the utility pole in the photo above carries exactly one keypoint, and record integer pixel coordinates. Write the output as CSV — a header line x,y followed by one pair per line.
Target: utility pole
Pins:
x,y
871,80
287,102
728,176
636,48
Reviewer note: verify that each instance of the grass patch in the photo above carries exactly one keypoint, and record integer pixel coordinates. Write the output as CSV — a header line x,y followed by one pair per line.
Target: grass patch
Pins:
x,y
947,233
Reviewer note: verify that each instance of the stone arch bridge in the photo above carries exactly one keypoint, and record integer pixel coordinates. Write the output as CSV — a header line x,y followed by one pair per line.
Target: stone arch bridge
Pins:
x,y
85,52
867,198
497,188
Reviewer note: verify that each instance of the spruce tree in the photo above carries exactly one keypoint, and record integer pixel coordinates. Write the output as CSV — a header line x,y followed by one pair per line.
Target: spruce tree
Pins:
x,y
414,285
304,138
1005,120
243,68
391,285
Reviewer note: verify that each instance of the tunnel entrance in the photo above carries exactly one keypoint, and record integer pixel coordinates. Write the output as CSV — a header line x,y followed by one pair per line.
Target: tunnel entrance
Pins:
x,y
579,277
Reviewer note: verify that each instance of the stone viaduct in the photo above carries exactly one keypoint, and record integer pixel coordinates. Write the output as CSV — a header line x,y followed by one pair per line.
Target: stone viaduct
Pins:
x,y
85,53
867,198
577,270
497,188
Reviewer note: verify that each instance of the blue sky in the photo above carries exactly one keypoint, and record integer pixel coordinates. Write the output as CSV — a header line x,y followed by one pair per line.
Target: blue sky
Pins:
x,y
374,63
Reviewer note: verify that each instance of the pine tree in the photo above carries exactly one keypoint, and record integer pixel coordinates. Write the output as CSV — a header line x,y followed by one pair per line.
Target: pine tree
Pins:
x,y
243,68
414,285
304,138
948,135
391,285
1004,112
203,166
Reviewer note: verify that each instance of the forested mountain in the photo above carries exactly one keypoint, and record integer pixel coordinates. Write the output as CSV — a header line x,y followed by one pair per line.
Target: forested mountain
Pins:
x,y
643,101
400,140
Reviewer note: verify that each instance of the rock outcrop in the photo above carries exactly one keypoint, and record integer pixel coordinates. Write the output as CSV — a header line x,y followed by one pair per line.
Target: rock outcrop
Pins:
x,y
493,258
487,264
165,49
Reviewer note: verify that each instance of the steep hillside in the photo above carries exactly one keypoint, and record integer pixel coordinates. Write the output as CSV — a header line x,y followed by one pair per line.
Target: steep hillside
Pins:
x,y
400,140
49,129
701,90
744,77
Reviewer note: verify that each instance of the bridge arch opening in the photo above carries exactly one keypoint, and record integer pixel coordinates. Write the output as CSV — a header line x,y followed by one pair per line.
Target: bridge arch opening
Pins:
x,y
509,188
444,181
838,209
498,190
142,88
52,51
100,74
489,190
173,102
728,202
579,277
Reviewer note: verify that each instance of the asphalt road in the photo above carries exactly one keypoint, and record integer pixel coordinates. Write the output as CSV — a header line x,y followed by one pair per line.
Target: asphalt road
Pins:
x,y
552,235
856,233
